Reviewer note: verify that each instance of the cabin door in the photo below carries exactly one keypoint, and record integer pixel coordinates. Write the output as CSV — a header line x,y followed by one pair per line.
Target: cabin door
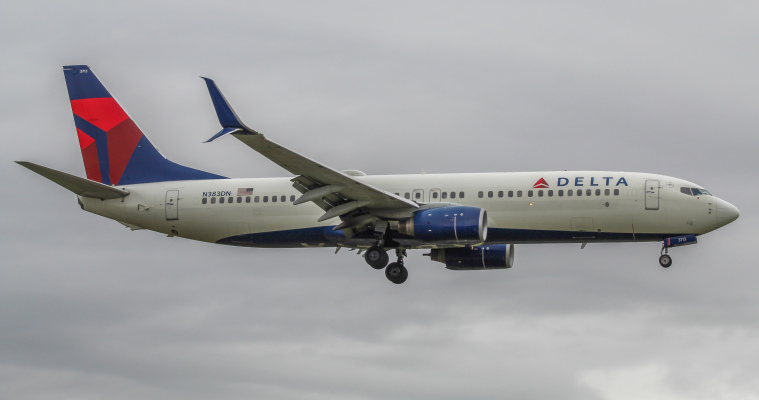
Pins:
x,y
652,195
172,205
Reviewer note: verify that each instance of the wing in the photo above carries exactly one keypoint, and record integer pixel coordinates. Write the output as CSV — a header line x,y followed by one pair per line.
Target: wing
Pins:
x,y
338,194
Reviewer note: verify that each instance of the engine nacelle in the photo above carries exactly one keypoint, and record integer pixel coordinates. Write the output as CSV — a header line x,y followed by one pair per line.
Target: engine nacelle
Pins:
x,y
496,256
453,224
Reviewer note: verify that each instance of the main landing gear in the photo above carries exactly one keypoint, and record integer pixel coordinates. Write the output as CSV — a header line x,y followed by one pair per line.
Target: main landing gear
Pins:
x,y
396,272
377,258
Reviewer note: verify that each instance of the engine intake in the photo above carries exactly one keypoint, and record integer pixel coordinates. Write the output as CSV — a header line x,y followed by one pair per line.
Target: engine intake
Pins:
x,y
454,224
496,256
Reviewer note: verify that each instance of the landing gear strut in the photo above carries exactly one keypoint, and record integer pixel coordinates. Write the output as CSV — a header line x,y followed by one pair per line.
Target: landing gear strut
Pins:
x,y
396,272
665,260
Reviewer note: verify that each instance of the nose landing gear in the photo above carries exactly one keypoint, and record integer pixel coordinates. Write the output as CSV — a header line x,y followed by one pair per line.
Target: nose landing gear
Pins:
x,y
665,260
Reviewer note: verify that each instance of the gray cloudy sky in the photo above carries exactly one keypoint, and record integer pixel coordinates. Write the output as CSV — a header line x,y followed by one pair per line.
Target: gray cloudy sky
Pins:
x,y
90,310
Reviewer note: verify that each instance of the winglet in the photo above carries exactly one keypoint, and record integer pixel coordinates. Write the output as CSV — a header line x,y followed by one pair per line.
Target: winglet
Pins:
x,y
227,116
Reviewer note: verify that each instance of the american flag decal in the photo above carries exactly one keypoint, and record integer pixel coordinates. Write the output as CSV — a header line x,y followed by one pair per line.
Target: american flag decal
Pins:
x,y
244,191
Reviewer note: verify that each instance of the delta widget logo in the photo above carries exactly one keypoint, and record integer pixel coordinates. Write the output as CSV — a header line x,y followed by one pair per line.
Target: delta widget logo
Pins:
x,y
541,184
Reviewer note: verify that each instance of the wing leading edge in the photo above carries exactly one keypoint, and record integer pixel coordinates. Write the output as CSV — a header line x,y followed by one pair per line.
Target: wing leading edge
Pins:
x,y
338,194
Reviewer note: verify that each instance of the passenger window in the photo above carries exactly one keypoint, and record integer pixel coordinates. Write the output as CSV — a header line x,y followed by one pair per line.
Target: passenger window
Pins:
x,y
606,192
480,194
461,195
213,200
579,192
616,192
453,195
266,199
256,199
587,192
434,195
570,192
550,193
444,195
247,199
221,200
500,193
283,198
205,200
598,192
511,193
273,199
239,199
519,193
529,193
490,194
407,195
292,198
540,193
561,192
417,195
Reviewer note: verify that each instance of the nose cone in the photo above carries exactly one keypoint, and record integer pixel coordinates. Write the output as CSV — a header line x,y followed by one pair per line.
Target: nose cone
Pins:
x,y
726,213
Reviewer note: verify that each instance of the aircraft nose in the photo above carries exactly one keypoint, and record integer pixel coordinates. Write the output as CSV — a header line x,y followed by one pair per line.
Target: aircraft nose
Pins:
x,y
726,213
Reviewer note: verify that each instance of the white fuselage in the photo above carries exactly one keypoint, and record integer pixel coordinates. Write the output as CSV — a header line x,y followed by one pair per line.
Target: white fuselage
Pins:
x,y
603,206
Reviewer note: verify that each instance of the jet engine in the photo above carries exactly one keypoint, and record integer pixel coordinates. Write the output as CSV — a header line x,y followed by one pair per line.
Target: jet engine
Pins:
x,y
453,224
495,256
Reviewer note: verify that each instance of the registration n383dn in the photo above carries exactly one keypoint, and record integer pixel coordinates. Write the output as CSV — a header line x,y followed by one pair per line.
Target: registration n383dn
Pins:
x,y
465,221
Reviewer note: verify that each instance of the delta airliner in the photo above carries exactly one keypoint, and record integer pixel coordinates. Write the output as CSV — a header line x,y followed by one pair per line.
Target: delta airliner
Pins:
x,y
465,221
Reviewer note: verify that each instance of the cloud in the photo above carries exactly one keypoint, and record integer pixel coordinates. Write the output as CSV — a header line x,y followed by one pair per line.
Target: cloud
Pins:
x,y
89,309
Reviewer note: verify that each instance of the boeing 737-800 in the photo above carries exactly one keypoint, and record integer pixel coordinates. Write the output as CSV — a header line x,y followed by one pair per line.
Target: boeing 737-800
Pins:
x,y
466,221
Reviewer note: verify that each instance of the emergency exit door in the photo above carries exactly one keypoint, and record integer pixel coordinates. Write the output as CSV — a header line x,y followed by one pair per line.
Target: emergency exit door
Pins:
x,y
652,195
172,205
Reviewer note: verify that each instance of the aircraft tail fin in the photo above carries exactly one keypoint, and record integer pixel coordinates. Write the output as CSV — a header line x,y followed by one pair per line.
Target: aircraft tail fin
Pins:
x,y
114,149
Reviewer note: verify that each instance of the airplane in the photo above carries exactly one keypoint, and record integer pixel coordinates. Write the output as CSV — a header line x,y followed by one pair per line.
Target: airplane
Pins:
x,y
467,221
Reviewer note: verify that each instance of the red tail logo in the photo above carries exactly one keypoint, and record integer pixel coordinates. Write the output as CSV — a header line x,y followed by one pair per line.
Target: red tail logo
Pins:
x,y
541,184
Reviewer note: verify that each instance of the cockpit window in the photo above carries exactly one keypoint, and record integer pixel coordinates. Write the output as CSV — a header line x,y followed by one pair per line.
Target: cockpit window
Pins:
x,y
694,191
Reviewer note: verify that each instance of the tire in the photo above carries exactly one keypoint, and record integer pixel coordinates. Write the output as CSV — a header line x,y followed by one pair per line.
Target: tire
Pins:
x,y
396,273
376,257
665,261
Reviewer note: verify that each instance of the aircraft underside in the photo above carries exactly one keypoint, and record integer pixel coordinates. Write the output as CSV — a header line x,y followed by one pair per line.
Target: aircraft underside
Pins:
x,y
327,237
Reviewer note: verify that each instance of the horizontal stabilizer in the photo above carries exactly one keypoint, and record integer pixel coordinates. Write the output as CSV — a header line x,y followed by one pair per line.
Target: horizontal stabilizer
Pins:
x,y
80,186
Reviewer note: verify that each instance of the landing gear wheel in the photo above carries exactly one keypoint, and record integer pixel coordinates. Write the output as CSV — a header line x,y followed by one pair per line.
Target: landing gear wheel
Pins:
x,y
396,273
665,260
376,257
